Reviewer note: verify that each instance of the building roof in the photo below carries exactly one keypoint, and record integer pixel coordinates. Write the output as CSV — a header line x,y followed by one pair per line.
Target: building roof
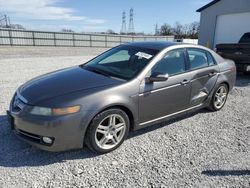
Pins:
x,y
207,5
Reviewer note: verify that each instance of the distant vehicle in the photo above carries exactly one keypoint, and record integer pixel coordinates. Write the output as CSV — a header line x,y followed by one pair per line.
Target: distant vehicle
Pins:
x,y
124,89
240,53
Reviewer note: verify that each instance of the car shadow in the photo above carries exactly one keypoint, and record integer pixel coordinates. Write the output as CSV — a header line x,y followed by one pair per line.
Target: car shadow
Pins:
x,y
226,172
242,80
16,153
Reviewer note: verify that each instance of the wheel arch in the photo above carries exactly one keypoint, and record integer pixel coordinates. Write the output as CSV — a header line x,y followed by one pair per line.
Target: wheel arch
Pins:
x,y
127,111
226,83
117,106
223,79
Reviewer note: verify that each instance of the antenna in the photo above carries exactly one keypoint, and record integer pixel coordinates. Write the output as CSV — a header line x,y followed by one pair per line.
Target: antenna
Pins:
x,y
124,29
131,28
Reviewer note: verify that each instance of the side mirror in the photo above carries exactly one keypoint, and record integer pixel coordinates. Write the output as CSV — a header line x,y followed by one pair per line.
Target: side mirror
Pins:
x,y
157,78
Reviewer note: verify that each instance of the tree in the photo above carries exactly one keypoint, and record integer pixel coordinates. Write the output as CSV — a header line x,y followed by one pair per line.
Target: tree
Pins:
x,y
181,31
194,30
185,31
178,30
140,33
110,31
16,26
67,30
166,29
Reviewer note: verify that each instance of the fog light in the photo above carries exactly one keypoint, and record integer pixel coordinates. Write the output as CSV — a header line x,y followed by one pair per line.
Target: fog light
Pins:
x,y
47,140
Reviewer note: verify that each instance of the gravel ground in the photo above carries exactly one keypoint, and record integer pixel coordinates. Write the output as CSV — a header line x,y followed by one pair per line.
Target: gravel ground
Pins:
x,y
203,149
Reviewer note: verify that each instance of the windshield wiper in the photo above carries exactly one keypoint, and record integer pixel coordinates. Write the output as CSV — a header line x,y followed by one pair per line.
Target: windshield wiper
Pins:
x,y
98,71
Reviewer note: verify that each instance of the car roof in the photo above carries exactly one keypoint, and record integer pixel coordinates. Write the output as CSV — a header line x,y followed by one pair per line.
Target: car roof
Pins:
x,y
161,45
156,45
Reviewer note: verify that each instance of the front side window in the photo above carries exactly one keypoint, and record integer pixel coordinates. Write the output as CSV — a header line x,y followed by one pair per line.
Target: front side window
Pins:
x,y
197,58
172,63
123,62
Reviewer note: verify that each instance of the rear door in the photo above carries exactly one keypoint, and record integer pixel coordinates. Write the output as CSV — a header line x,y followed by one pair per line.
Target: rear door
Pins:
x,y
205,73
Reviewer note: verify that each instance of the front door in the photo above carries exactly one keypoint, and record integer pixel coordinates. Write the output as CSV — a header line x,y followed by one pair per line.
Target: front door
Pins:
x,y
159,99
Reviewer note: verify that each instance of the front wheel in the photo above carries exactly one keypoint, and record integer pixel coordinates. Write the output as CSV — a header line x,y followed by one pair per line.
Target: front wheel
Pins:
x,y
219,98
107,131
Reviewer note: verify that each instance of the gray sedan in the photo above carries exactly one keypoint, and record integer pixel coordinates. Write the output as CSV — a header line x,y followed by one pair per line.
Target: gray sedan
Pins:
x,y
124,89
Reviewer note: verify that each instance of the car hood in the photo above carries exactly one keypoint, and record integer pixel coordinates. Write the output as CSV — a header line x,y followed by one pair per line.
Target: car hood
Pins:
x,y
63,82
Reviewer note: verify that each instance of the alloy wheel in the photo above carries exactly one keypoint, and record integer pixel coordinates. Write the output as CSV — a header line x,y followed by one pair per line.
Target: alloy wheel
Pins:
x,y
110,131
220,97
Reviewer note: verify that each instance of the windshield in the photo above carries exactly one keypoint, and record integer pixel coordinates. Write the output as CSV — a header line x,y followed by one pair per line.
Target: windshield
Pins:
x,y
123,62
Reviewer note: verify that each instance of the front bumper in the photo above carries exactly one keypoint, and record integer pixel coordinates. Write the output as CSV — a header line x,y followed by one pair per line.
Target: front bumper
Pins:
x,y
67,132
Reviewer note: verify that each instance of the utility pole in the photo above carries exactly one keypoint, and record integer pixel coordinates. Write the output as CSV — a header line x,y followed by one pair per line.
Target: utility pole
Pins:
x,y
4,20
123,29
131,28
156,30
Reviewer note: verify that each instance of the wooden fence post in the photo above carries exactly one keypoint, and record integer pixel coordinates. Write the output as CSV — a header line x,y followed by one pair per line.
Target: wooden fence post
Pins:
x,y
33,38
10,37
54,38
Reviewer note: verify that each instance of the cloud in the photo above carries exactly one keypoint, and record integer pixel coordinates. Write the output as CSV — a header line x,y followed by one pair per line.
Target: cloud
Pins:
x,y
39,10
48,15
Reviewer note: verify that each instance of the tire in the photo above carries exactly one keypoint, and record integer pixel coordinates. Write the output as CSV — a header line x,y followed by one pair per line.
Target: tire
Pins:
x,y
219,98
107,131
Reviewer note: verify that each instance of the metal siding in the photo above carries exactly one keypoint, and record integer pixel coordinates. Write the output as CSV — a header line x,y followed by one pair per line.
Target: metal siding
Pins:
x,y
209,17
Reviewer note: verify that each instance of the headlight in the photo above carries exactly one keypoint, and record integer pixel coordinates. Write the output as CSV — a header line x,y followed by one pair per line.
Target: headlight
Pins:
x,y
43,111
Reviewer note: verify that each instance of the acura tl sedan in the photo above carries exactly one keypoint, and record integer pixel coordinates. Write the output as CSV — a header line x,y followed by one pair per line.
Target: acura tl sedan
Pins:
x,y
124,89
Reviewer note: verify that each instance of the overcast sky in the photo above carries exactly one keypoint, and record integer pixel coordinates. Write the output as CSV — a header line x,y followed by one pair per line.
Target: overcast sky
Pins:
x,y
99,15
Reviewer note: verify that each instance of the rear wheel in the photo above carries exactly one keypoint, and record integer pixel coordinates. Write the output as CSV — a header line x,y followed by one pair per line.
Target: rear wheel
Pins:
x,y
107,131
219,97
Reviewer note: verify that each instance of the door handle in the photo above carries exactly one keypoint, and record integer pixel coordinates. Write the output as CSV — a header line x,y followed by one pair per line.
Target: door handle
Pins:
x,y
185,82
212,73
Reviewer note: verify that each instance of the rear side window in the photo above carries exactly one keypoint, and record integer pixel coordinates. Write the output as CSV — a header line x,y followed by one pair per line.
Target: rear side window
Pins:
x,y
172,63
197,58
210,59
